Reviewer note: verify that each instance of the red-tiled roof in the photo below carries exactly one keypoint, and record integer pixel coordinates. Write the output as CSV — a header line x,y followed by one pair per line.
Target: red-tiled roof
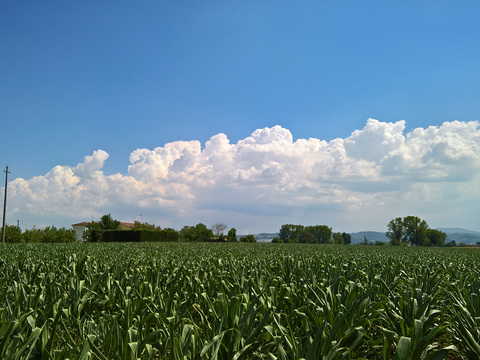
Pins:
x,y
81,224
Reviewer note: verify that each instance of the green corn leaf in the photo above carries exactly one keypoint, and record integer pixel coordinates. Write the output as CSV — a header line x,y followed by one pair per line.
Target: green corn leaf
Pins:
x,y
402,352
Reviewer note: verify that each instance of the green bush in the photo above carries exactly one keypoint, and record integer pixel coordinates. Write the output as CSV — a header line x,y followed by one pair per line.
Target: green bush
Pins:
x,y
143,235
166,235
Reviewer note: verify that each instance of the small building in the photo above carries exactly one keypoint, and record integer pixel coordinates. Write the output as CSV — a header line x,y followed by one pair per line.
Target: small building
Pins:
x,y
81,227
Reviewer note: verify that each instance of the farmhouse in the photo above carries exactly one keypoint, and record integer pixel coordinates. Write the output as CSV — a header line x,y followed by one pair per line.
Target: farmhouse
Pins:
x,y
81,227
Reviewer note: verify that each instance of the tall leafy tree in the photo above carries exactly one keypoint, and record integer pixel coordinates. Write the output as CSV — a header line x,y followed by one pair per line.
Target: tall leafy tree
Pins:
x,y
196,233
416,230
204,233
322,234
347,238
436,237
106,223
232,235
307,237
248,239
291,232
396,231
13,234
33,235
413,230
338,238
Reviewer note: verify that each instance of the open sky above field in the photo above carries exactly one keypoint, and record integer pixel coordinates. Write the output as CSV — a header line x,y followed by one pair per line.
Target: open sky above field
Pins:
x,y
251,113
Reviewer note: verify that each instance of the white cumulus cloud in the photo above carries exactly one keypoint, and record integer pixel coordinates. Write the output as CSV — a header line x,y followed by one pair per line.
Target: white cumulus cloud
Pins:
x,y
360,182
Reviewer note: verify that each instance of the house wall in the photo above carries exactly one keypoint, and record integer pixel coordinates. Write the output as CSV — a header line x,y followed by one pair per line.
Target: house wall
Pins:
x,y
79,232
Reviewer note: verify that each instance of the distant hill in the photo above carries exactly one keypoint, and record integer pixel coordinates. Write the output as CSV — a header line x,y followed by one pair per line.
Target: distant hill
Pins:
x,y
453,234
458,231
266,237
470,239
262,237
372,236
458,235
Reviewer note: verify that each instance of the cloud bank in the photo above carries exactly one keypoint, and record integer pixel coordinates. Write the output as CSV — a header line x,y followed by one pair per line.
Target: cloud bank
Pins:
x,y
268,179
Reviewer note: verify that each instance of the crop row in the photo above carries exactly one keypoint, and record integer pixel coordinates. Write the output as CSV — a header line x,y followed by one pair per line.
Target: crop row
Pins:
x,y
237,301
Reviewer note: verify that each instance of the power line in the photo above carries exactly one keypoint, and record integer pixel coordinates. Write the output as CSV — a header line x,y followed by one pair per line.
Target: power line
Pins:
x,y
5,203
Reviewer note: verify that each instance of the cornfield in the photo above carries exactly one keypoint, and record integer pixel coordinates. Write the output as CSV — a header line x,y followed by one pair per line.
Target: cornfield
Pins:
x,y
238,301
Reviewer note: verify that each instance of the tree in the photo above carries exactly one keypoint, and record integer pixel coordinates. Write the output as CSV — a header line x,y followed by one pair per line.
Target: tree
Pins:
x,y
197,233
292,232
436,237
49,234
13,234
322,234
396,231
53,235
248,239
188,234
106,223
306,237
416,231
32,235
452,243
232,235
337,238
144,226
347,238
277,240
218,229
410,229
204,233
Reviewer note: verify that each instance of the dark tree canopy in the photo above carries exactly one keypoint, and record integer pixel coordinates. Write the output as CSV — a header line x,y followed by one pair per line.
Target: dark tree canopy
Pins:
x,y
416,231
396,231
248,239
197,233
436,237
13,234
232,235
413,230
347,238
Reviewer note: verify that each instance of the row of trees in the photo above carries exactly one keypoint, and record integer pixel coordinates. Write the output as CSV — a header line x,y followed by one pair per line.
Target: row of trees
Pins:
x,y
197,233
414,231
200,232
50,234
318,234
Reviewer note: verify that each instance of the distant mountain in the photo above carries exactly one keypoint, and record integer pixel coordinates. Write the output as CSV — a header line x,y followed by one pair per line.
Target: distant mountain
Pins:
x,y
372,236
266,237
458,235
262,237
470,239
458,231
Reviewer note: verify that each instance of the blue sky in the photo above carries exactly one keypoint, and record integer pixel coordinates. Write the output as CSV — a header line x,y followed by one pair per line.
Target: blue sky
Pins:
x,y
117,76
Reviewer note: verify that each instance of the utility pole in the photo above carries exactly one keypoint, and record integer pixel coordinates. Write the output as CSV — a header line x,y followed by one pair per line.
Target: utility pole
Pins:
x,y
5,203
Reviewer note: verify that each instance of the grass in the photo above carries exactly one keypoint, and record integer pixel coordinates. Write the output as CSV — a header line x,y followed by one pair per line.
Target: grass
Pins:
x,y
237,301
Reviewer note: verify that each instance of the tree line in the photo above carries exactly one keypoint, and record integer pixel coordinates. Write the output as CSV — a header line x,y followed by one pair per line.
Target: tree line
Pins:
x,y
49,234
197,233
411,230
95,229
317,234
